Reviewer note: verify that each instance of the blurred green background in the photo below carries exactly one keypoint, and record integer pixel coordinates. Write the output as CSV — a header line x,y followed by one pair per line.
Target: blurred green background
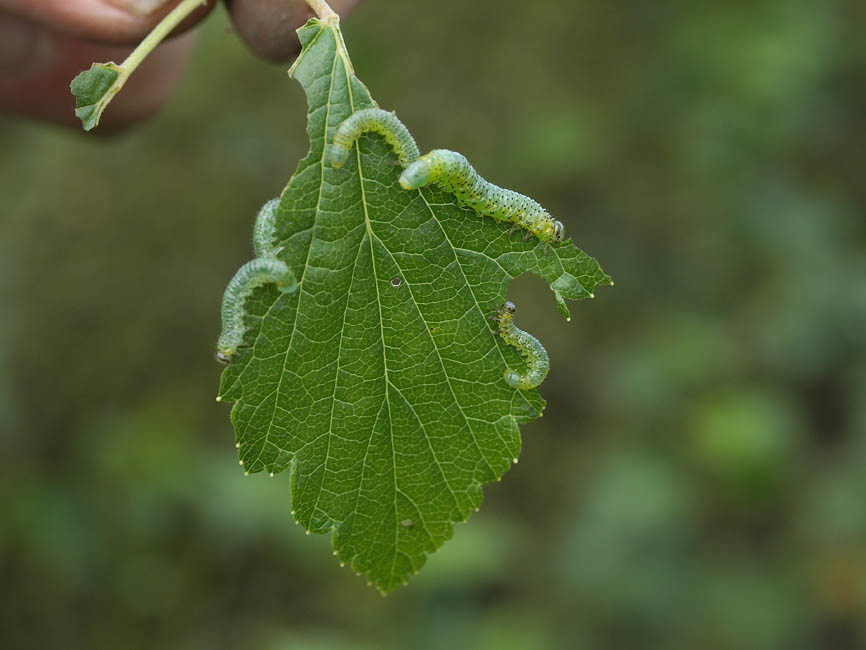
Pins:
x,y
698,480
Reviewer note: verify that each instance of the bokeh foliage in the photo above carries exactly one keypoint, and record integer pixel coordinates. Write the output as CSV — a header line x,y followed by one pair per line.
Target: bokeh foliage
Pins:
x,y
697,480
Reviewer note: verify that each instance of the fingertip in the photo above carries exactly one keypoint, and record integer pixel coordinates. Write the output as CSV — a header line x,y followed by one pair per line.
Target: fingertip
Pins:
x,y
267,27
115,22
141,8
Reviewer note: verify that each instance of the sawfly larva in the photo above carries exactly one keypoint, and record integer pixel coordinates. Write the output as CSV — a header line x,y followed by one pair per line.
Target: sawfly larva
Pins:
x,y
451,171
537,361
250,276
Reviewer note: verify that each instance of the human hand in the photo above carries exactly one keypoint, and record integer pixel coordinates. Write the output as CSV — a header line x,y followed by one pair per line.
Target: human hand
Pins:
x,y
45,43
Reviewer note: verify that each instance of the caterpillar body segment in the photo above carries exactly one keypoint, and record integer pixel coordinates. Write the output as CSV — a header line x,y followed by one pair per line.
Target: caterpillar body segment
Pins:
x,y
452,171
265,230
253,274
378,121
537,361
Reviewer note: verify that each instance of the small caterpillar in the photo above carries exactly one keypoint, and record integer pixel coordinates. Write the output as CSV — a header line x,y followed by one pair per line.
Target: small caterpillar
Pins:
x,y
537,361
251,275
265,230
451,171
382,122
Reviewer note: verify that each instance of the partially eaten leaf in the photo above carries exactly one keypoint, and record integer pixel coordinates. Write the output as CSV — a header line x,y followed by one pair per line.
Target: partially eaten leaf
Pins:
x,y
379,384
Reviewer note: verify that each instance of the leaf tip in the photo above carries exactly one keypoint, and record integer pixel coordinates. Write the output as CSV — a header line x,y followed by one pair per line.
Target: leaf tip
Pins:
x,y
561,306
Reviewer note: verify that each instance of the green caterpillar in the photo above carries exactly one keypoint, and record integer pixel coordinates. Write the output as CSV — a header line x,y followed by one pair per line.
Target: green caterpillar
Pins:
x,y
382,122
251,275
451,171
537,361
265,230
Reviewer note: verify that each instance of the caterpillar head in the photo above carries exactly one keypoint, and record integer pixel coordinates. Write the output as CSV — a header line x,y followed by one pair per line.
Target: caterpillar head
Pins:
x,y
224,356
416,175
338,155
512,377
558,231
288,284
506,314
547,230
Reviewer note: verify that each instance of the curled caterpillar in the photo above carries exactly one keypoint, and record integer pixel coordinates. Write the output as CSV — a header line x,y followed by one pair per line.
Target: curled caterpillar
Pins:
x,y
451,171
537,361
251,275
265,230
382,122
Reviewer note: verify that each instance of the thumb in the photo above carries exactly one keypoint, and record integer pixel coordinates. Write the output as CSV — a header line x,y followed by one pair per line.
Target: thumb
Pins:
x,y
122,22
268,26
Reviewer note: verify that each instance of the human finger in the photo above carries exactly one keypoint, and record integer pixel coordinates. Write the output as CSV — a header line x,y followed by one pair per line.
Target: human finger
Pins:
x,y
119,22
268,26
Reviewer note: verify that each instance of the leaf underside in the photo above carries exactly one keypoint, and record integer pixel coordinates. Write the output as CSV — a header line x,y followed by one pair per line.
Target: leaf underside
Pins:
x,y
380,382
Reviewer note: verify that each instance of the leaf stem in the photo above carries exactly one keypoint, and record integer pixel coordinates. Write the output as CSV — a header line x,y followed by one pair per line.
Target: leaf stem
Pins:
x,y
174,18
324,12
95,88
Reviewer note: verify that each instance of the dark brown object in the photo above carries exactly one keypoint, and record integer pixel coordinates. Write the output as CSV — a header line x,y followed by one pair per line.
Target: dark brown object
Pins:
x,y
268,26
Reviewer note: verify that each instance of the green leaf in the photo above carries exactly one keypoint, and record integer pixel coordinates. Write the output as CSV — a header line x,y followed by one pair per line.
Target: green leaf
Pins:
x,y
94,89
379,384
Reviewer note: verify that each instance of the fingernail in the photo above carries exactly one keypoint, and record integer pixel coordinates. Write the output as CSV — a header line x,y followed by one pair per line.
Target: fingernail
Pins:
x,y
23,45
139,7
